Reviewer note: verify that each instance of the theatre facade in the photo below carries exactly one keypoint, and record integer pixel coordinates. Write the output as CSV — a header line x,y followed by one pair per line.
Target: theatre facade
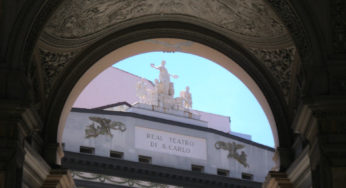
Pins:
x,y
158,141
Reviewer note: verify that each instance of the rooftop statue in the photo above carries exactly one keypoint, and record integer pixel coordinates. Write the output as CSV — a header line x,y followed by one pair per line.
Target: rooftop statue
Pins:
x,y
162,95
165,78
186,96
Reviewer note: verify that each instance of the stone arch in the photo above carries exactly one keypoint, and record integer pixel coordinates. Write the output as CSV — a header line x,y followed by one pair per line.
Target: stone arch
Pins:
x,y
125,43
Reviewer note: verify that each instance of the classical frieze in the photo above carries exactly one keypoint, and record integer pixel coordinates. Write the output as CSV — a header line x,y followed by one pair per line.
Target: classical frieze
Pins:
x,y
77,18
279,63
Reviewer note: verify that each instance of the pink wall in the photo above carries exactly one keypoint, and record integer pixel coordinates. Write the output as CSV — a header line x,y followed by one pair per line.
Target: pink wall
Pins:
x,y
111,86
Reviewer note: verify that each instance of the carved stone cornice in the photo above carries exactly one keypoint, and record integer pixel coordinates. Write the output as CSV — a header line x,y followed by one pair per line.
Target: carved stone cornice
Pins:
x,y
61,178
277,180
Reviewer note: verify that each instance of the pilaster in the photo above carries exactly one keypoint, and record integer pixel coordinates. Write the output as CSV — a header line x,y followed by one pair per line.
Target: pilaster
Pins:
x,y
322,121
16,124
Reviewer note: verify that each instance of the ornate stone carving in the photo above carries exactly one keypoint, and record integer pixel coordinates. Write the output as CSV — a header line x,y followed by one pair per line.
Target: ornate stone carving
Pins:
x,y
162,94
294,26
53,63
232,149
79,18
103,127
118,181
278,62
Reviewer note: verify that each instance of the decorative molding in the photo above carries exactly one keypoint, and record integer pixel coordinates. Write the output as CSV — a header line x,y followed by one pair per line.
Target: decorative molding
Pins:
x,y
295,27
299,172
148,172
279,62
103,128
52,64
232,149
101,178
77,19
172,47
277,180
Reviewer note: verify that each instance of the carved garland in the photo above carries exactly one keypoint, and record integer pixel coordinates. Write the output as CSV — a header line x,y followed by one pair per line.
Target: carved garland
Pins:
x,y
103,127
119,181
232,151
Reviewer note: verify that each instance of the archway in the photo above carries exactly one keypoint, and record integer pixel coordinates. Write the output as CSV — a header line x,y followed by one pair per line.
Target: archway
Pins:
x,y
139,39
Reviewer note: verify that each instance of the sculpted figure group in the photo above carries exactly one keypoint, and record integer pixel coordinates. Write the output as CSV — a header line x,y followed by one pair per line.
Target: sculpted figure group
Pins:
x,y
162,94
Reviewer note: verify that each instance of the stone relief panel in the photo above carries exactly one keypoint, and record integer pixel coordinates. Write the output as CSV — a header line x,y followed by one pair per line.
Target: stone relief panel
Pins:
x,y
279,63
103,126
232,149
243,20
82,18
52,64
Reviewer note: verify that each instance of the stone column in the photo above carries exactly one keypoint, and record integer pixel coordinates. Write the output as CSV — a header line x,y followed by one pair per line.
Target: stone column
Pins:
x,y
322,121
16,123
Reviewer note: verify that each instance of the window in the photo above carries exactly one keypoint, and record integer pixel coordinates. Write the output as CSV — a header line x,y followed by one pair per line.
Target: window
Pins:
x,y
222,172
246,176
197,168
144,159
116,154
88,150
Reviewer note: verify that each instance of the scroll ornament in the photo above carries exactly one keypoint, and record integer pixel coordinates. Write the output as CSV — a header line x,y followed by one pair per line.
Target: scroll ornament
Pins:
x,y
102,126
232,149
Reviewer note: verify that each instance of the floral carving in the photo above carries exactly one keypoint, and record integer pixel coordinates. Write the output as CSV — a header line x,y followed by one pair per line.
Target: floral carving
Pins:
x,y
79,18
232,151
279,62
103,127
53,63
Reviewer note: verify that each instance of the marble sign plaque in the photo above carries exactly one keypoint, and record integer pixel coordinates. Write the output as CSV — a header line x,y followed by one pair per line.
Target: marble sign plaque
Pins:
x,y
170,143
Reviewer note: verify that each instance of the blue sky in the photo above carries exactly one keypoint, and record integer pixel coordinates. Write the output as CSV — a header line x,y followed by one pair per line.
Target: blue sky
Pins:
x,y
213,89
